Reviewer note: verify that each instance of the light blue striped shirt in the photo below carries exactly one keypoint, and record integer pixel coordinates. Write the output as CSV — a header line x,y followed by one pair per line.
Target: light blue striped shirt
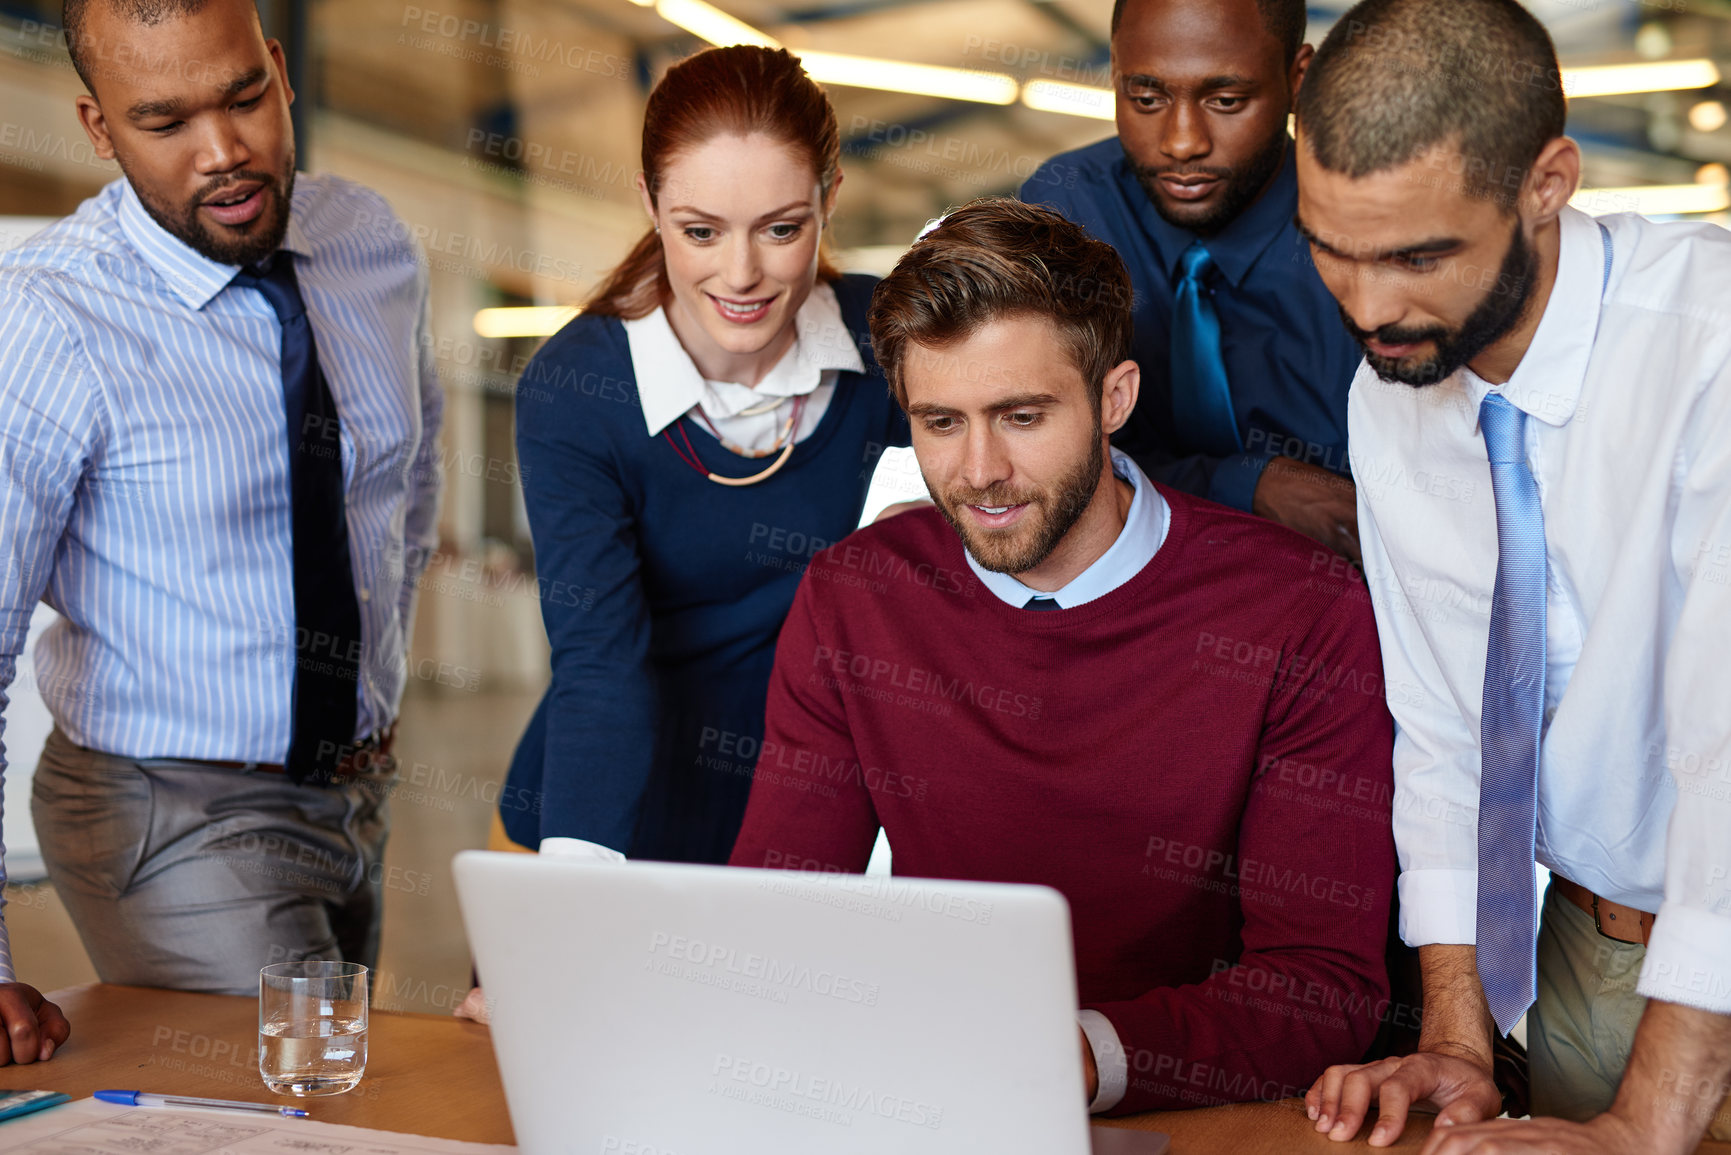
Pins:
x,y
144,476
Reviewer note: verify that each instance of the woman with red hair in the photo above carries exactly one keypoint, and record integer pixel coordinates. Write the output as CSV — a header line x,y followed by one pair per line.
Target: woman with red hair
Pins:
x,y
687,443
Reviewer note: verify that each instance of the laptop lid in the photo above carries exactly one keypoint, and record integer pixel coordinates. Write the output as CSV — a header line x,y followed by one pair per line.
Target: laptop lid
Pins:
x,y
664,1009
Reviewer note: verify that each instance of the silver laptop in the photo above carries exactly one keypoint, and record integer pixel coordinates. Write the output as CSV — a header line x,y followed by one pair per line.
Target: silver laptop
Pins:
x,y
660,1009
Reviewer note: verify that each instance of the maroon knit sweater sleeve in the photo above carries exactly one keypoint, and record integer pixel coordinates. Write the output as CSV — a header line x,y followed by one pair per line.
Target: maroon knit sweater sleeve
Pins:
x,y
1313,868
810,806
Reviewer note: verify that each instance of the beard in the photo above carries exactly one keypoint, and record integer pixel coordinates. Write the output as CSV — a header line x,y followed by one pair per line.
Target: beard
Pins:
x,y
219,243
1238,187
1490,321
1052,513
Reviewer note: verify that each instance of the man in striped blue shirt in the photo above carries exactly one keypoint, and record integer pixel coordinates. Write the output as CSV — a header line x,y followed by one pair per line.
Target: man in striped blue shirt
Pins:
x,y
218,425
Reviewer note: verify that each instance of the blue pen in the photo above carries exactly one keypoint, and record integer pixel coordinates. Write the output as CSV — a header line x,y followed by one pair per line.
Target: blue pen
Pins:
x,y
146,1099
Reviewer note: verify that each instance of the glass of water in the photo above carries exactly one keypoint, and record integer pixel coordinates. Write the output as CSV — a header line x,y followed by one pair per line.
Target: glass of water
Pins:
x,y
312,1027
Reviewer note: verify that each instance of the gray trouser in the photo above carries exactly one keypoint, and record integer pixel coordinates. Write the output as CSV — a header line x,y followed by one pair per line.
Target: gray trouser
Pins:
x,y
193,877
1582,1028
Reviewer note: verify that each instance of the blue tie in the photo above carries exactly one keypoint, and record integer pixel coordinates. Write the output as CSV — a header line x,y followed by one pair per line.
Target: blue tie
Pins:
x,y
1201,398
327,613
1508,906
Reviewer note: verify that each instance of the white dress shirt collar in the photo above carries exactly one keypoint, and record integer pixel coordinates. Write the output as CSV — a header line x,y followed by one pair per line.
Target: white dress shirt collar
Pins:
x,y
1547,383
1143,533
670,385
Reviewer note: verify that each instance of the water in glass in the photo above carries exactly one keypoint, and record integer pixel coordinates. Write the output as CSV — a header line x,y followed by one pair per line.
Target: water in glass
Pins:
x,y
312,1027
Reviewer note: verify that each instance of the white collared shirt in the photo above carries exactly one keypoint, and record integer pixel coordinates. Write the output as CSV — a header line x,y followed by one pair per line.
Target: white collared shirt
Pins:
x,y
1143,533
670,385
1629,438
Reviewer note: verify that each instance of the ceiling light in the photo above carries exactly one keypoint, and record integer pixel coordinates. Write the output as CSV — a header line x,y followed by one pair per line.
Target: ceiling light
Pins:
x,y
529,321
900,76
1073,99
1599,80
1708,116
1660,76
707,22
1653,40
1657,200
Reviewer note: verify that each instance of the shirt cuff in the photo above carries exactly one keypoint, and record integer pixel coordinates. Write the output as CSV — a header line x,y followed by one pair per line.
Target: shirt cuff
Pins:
x,y
6,973
1439,906
1109,1060
1689,959
1235,478
577,850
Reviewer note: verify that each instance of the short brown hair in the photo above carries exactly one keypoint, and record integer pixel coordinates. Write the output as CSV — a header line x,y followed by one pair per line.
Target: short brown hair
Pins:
x,y
995,258
1394,78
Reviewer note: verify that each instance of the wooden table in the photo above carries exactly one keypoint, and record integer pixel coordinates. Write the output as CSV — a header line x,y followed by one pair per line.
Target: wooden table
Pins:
x,y
169,1041
172,1042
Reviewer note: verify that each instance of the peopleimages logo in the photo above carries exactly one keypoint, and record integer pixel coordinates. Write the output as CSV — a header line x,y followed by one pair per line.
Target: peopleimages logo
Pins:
x,y
931,684
764,968
831,1099
882,892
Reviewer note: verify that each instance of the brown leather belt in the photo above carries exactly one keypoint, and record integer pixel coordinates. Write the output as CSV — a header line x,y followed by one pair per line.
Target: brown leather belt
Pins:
x,y
369,757
1613,919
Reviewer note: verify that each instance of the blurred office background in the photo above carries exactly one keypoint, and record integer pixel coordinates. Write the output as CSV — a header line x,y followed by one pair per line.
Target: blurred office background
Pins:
x,y
505,133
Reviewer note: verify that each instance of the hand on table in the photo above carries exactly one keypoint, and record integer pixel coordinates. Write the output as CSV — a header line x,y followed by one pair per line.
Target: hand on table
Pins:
x,y
34,1027
474,1006
1462,1091
1321,505
1604,1135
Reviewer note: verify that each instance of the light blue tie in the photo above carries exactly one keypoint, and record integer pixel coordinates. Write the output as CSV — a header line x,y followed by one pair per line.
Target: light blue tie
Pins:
x,y
1201,398
1508,906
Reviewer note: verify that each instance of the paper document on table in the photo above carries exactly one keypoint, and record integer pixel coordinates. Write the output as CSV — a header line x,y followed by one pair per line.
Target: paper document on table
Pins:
x,y
89,1127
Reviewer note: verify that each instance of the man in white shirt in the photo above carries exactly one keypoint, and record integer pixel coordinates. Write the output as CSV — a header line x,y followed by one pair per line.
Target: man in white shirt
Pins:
x,y
1541,436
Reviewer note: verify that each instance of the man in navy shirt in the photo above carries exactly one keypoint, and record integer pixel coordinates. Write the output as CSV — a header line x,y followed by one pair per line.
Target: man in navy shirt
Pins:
x,y
1245,364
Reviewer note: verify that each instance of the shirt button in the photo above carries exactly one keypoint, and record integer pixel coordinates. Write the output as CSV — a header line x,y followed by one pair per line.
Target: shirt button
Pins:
x,y
366,595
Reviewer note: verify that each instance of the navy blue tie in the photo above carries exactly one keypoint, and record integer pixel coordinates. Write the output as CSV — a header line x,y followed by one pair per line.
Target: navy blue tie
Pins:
x,y
1201,396
327,613
1040,603
1514,706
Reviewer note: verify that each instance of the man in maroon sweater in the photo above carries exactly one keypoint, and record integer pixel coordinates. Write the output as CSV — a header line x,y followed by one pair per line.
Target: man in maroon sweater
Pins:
x,y
1191,745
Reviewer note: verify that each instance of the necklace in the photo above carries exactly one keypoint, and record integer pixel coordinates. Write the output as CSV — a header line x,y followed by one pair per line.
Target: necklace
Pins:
x,y
784,443
769,406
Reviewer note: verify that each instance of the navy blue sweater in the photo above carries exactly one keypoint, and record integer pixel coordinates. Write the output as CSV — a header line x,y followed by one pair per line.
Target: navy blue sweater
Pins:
x,y
663,592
